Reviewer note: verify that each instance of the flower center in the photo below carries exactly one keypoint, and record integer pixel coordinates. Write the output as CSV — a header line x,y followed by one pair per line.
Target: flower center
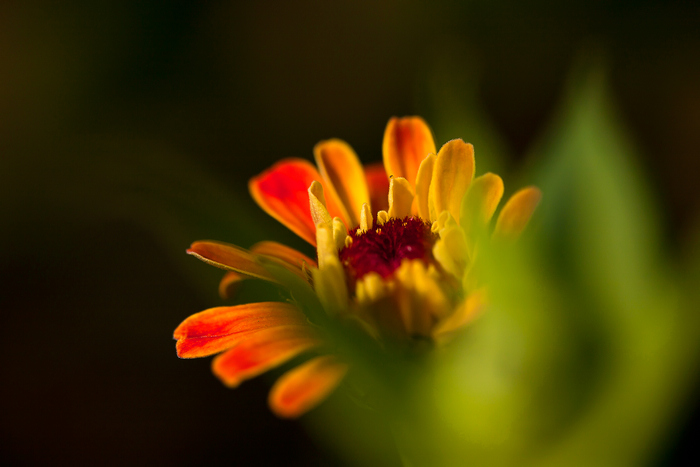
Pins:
x,y
383,248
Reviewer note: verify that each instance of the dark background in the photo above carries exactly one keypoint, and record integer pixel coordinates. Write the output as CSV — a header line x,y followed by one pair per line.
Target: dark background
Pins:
x,y
130,129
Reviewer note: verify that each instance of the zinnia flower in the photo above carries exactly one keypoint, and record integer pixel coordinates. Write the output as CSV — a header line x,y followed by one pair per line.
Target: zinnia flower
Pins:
x,y
396,247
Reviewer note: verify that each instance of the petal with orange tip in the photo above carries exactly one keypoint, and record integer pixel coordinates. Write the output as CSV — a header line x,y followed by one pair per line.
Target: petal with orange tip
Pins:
x,y
263,351
378,185
516,213
406,143
303,388
217,329
229,257
452,174
342,171
281,191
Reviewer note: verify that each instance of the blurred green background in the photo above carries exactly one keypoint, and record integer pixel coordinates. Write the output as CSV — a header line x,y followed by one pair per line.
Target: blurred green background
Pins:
x,y
130,129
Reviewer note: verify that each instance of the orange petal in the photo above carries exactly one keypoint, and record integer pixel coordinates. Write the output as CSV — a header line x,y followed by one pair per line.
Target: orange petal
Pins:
x,y
230,257
378,184
216,329
407,141
262,351
229,284
283,252
303,388
517,212
282,192
342,171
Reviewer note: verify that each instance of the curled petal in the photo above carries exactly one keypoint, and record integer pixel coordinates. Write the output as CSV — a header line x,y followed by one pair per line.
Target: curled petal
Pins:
x,y
303,388
229,257
283,252
343,174
452,174
298,262
378,184
406,143
263,351
317,205
517,212
216,329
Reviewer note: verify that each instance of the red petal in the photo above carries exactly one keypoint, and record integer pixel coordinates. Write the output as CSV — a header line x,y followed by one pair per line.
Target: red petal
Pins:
x,y
217,329
262,351
282,192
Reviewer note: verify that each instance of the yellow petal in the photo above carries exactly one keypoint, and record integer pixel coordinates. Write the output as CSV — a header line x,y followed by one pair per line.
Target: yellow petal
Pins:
x,y
344,174
371,288
420,297
462,315
303,388
325,242
340,233
400,198
329,278
330,286
452,174
317,204
423,179
481,201
517,212
451,250
406,143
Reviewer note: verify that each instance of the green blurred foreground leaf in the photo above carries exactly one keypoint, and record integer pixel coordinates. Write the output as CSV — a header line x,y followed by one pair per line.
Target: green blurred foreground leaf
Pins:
x,y
584,358
588,350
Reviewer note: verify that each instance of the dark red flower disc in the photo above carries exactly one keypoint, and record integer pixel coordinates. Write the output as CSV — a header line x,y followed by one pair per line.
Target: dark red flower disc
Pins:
x,y
382,248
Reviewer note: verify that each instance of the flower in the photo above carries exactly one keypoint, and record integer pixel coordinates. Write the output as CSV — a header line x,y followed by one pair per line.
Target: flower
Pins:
x,y
403,271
